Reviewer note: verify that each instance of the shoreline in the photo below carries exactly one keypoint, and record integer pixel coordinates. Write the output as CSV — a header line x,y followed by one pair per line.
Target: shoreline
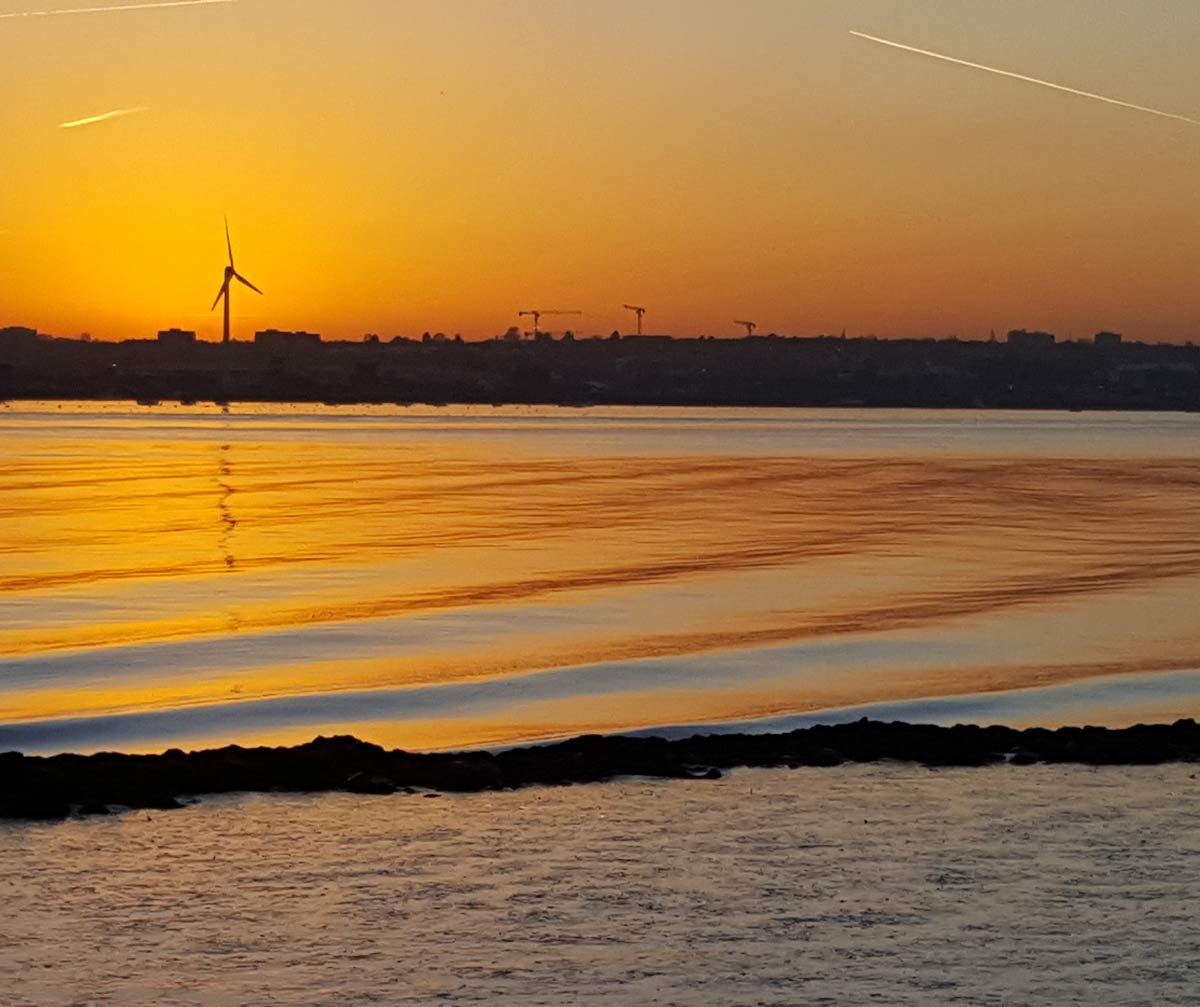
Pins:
x,y
883,405
53,788
756,371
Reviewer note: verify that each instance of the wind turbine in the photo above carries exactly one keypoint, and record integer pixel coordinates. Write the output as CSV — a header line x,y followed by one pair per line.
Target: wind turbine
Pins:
x,y
231,273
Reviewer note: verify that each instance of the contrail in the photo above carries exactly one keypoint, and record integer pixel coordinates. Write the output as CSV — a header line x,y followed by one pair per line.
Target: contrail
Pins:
x,y
114,7
116,113
1031,80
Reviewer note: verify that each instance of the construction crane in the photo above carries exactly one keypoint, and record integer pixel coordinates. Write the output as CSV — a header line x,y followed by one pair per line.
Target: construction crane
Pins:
x,y
537,317
640,312
750,326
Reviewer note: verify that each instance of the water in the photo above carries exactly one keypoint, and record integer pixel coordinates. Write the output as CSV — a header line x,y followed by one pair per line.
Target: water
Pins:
x,y
432,578
867,884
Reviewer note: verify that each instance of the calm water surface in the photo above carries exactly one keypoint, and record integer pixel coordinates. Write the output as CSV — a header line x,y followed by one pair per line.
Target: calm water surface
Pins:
x,y
444,577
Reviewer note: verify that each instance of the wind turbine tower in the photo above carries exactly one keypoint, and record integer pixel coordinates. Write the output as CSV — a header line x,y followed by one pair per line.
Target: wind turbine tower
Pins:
x,y
231,274
750,327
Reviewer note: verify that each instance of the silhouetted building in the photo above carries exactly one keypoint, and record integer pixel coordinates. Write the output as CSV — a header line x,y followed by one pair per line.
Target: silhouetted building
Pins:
x,y
176,337
1022,340
1108,339
278,340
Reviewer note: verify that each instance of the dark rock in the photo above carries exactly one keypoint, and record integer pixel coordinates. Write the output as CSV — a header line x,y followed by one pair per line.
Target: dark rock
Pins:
x,y
33,810
94,810
824,758
361,783
34,788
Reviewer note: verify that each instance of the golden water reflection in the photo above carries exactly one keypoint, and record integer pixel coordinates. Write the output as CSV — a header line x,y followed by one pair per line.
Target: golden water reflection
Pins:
x,y
435,578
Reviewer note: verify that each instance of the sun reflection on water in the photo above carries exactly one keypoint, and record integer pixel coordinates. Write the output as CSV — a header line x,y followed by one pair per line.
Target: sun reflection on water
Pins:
x,y
444,577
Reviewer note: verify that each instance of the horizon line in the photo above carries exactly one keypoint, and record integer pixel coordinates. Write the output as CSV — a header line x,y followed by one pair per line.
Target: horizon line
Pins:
x,y
998,337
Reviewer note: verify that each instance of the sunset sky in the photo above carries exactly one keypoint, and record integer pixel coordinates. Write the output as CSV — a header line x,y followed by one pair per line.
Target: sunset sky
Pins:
x,y
395,167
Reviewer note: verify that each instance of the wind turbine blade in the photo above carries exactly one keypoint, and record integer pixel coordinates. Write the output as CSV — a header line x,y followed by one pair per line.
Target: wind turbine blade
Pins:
x,y
228,243
223,292
248,283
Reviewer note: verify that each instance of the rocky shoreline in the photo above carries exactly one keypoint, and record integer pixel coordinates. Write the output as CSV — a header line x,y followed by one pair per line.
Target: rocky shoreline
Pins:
x,y
53,788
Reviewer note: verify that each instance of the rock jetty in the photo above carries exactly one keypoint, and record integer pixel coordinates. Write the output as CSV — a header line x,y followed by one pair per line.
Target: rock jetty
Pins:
x,y
56,787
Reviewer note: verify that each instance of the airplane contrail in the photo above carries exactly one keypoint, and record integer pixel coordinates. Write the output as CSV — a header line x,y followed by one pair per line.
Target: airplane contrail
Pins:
x,y
116,113
1030,80
114,7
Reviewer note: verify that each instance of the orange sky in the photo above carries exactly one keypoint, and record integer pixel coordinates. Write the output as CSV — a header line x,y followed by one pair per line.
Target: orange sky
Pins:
x,y
394,167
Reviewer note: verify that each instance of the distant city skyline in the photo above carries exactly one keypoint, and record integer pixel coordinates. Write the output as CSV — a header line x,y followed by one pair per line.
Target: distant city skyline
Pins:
x,y
27,336
516,332
395,169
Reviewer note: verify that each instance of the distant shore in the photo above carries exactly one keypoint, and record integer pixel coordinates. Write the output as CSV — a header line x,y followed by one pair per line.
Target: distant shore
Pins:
x,y
54,788
760,371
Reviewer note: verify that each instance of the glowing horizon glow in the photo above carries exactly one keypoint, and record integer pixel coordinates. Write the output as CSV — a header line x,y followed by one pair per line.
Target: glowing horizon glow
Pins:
x,y
114,7
116,113
1027,79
